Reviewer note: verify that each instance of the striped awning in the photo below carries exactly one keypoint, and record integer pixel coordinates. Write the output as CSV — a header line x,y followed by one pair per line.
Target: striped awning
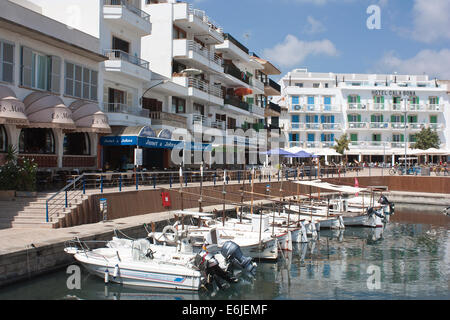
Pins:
x,y
12,110
45,110
89,118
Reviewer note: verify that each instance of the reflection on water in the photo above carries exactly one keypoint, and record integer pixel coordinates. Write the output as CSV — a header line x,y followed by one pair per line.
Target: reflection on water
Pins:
x,y
413,259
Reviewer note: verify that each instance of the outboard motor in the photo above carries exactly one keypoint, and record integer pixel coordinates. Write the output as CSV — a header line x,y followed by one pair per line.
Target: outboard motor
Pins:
x,y
209,266
383,200
372,211
233,254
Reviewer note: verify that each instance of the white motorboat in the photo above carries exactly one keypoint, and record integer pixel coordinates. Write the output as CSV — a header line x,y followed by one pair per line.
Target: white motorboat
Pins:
x,y
140,263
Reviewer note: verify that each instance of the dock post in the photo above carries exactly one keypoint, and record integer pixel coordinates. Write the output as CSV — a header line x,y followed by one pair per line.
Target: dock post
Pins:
x,y
120,183
239,177
46,210
154,181
67,204
101,184
170,181
137,181
84,185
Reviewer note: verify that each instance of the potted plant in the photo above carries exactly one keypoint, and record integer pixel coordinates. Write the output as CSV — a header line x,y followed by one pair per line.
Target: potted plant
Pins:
x,y
8,175
26,184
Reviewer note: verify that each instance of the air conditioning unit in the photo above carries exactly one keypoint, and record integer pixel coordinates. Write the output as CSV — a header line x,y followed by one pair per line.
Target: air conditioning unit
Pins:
x,y
437,108
352,125
297,108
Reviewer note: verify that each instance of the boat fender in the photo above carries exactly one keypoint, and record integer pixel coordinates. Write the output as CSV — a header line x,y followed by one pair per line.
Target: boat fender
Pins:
x,y
116,271
106,276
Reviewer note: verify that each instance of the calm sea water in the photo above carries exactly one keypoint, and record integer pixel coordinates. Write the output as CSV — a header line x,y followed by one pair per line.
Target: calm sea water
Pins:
x,y
412,255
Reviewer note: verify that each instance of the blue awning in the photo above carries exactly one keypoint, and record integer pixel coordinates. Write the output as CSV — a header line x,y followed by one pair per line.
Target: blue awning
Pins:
x,y
153,143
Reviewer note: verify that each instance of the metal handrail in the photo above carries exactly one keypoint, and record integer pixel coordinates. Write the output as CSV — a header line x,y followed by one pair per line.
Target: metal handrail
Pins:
x,y
123,108
114,54
126,4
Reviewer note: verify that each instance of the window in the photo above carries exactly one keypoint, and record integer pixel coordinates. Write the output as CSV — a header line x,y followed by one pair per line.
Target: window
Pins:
x,y
178,105
199,109
36,141
81,82
316,85
378,99
398,138
295,119
77,144
326,100
433,119
376,118
231,123
3,139
40,71
434,100
396,100
354,99
412,138
120,45
6,62
326,85
311,137
178,33
300,85
396,118
294,137
412,119
354,118
311,100
295,100
353,137
414,100
376,137
327,137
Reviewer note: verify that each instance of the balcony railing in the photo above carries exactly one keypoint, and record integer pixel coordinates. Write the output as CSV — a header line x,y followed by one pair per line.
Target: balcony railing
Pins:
x,y
205,87
357,125
123,56
416,126
397,125
379,107
270,83
356,106
435,107
379,125
207,20
331,126
312,107
130,7
312,126
397,145
165,118
436,126
275,107
330,108
211,56
236,102
229,37
397,107
234,71
297,126
123,108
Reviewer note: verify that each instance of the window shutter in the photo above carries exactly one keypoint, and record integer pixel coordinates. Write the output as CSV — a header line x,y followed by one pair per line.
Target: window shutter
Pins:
x,y
26,67
332,119
349,118
316,119
382,99
382,118
322,119
372,118
393,119
359,118
437,100
433,119
402,138
332,137
354,137
322,137
7,58
129,99
349,99
359,99
55,78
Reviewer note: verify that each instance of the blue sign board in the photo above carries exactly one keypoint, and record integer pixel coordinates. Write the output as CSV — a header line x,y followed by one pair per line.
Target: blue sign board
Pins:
x,y
154,143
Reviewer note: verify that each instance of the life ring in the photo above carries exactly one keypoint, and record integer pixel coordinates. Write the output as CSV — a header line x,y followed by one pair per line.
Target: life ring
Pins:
x,y
166,236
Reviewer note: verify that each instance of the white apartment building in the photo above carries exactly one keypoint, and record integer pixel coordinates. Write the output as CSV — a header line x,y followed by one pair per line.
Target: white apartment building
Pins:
x,y
169,66
49,90
379,113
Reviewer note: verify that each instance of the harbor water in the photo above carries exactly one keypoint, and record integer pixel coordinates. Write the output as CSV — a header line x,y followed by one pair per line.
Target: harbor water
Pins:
x,y
408,259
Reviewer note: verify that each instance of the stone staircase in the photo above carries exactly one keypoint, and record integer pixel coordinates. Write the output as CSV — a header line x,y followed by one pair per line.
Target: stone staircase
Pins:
x,y
30,212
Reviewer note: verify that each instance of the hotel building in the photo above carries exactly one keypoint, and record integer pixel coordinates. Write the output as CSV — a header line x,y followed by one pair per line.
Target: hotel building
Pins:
x,y
380,114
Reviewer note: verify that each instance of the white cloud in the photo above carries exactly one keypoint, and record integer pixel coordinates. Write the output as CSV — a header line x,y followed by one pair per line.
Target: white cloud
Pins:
x,y
430,21
430,62
293,51
314,26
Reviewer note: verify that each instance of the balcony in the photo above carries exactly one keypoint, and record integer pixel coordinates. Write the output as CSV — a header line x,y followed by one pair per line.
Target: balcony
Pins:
x,y
192,53
123,108
312,126
397,107
257,85
297,126
327,144
237,105
165,119
379,125
312,144
131,66
123,115
313,107
357,125
435,107
257,111
331,126
416,126
271,88
124,14
200,90
436,126
205,29
397,125
417,107
200,122
330,108
233,48
356,106
398,145
378,107
234,71
297,108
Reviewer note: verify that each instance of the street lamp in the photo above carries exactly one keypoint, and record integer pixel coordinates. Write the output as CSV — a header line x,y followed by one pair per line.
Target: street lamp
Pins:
x,y
406,138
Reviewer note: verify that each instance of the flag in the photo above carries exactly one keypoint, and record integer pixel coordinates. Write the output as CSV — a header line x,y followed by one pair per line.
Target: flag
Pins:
x,y
356,186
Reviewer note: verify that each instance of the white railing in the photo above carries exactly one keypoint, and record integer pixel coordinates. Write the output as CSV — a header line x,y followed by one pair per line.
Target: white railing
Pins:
x,y
356,106
379,125
257,110
312,107
312,126
378,107
199,49
297,126
397,125
122,108
205,87
330,108
297,108
331,126
397,107
436,126
213,26
357,125
435,107
417,126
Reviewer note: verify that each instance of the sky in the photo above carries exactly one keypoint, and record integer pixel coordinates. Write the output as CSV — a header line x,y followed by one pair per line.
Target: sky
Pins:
x,y
333,36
